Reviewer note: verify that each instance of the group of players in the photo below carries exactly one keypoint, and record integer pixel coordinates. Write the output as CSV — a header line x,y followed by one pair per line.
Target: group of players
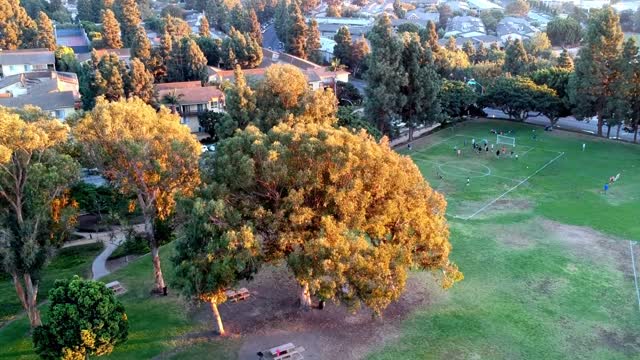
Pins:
x,y
484,147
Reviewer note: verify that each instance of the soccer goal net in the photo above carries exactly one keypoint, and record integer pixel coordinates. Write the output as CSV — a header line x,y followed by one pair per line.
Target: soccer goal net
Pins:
x,y
506,140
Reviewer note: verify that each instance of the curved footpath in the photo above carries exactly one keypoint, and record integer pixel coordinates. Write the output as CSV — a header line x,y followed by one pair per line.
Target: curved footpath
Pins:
x,y
111,241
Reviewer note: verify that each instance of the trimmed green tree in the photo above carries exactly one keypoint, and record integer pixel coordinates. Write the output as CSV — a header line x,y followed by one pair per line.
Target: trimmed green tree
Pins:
x,y
84,319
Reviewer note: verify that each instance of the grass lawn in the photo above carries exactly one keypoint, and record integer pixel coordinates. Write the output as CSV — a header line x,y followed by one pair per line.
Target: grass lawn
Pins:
x,y
548,272
67,262
157,324
533,288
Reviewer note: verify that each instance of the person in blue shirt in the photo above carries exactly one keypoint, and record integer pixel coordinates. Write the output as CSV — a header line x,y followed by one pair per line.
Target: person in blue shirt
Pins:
x,y
606,187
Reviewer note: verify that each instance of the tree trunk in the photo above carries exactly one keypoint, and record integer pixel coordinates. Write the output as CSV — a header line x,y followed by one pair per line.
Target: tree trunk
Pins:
x,y
600,125
155,254
216,315
157,270
608,131
411,130
618,131
635,134
28,298
305,297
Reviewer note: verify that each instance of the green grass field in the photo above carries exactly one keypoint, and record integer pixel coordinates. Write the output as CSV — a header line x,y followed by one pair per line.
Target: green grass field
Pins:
x,y
67,262
546,257
537,286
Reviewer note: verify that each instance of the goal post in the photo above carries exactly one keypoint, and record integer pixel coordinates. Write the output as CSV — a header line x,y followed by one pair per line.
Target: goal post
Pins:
x,y
506,140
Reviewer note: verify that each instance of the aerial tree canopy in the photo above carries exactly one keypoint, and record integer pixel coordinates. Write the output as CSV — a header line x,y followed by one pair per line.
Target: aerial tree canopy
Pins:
x,y
144,153
348,215
85,318
35,213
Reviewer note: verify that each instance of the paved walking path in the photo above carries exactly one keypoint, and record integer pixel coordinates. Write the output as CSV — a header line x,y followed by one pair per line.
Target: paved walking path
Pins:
x,y
110,239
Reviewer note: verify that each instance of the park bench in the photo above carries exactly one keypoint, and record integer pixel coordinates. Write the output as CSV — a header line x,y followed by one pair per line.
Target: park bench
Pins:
x,y
116,287
235,296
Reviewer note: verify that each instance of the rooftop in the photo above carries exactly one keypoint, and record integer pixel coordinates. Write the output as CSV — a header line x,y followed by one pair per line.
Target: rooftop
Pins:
x,y
123,54
27,57
188,95
515,25
45,101
461,25
483,5
40,83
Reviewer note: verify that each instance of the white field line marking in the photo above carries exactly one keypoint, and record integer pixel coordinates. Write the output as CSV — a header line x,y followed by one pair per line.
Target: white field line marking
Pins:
x,y
635,277
439,165
515,187
525,153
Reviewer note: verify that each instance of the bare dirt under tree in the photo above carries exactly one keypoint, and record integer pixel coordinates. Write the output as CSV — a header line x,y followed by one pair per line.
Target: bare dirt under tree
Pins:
x,y
271,317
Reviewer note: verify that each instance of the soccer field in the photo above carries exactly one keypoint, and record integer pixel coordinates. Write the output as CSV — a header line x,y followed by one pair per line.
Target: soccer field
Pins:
x,y
550,261
551,175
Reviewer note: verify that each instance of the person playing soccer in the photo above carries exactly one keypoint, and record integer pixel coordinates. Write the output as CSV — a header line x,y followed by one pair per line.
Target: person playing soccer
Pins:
x,y
606,187
468,181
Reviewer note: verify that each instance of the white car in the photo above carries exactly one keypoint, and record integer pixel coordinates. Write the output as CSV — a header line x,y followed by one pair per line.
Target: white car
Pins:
x,y
203,148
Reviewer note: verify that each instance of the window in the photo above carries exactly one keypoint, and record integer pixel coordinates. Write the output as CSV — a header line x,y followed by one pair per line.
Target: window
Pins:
x,y
200,108
183,120
59,114
214,104
12,68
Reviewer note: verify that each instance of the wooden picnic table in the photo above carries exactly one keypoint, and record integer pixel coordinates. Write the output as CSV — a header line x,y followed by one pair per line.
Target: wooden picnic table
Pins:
x,y
282,349
235,296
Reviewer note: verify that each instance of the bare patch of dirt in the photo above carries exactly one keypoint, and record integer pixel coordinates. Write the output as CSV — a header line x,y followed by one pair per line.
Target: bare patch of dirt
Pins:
x,y
499,207
271,317
625,342
586,242
546,287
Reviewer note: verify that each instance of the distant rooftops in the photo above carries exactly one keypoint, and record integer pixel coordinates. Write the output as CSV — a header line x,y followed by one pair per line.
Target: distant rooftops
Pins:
x,y
27,57
189,92
123,54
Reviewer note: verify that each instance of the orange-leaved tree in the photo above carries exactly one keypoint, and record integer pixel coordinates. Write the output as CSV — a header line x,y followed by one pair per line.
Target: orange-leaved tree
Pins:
x,y
348,215
143,152
35,213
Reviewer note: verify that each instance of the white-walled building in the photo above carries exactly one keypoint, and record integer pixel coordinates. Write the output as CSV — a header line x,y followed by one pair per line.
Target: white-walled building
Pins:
x,y
14,62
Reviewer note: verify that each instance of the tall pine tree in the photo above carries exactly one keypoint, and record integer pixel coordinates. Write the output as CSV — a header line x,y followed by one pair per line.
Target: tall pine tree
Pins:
x,y
593,84
420,91
130,20
204,27
45,38
296,32
314,47
139,82
343,49
240,104
254,27
516,59
111,30
564,60
141,48
385,76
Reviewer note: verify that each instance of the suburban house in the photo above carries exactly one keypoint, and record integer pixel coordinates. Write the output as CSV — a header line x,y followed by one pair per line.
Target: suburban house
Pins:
x,y
123,54
190,99
319,77
515,28
465,26
483,5
55,92
486,41
329,30
13,62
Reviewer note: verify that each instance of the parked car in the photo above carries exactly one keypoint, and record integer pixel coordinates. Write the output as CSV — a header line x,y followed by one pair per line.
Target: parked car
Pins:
x,y
203,148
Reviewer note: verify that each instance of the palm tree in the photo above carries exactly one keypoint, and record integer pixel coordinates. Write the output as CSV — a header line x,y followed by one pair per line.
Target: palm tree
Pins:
x,y
173,100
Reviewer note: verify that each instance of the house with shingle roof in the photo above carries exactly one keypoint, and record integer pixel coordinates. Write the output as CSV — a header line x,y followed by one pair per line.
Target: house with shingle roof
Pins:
x,y
318,76
190,99
465,26
13,62
515,28
54,92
